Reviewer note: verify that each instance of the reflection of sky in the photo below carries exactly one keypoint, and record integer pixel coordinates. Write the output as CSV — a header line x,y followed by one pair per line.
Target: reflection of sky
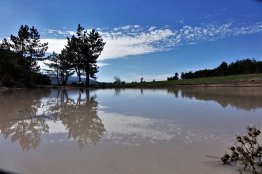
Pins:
x,y
156,115
162,105
133,129
156,129
72,94
126,129
160,116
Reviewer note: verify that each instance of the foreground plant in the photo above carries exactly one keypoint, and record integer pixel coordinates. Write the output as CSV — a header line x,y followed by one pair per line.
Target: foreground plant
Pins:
x,y
246,151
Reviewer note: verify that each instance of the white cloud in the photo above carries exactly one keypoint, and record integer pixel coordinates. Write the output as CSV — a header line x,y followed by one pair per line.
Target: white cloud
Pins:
x,y
45,67
152,28
126,27
122,45
100,64
60,32
131,40
55,45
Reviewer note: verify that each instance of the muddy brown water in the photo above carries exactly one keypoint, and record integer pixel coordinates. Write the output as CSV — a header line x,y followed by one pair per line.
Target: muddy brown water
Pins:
x,y
128,131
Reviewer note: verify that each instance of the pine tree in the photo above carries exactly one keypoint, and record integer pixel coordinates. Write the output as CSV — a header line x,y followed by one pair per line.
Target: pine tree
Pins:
x,y
73,47
54,66
66,67
84,49
27,44
91,48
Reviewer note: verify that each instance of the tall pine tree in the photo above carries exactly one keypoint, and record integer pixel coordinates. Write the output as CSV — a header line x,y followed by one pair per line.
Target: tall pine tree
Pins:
x,y
73,47
85,48
27,44
91,49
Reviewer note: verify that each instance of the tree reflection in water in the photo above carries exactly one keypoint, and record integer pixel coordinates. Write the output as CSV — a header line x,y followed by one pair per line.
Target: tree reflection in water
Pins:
x,y
19,119
238,97
24,116
81,118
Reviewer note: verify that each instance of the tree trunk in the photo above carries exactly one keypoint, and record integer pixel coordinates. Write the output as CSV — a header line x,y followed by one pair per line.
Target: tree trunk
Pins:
x,y
62,79
63,83
87,96
57,77
66,78
79,99
79,77
78,73
79,68
87,79
28,77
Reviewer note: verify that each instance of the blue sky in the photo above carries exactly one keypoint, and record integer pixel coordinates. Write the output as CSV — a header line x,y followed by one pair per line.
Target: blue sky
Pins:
x,y
153,39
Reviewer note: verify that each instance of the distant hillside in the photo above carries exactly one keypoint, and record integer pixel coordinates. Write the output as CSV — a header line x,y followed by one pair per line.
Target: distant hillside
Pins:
x,y
248,80
245,66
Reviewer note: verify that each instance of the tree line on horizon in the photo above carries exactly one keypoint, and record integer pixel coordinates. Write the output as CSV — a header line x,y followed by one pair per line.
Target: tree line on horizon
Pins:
x,y
19,56
244,66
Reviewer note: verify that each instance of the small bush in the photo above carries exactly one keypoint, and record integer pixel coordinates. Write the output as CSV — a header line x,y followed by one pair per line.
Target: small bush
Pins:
x,y
246,151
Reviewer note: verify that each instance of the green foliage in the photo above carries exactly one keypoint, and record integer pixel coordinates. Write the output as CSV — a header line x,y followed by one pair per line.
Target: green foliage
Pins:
x,y
85,48
79,56
73,48
141,80
60,67
18,58
11,68
54,66
117,80
245,66
40,79
65,67
27,44
174,77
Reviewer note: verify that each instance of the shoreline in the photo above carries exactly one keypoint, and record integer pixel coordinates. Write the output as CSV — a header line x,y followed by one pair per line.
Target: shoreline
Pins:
x,y
149,86
246,80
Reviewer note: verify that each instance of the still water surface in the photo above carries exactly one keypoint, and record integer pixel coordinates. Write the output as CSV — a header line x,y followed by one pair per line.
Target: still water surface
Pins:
x,y
131,131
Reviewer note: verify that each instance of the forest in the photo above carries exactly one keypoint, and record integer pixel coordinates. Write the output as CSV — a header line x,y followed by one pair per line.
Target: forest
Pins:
x,y
244,66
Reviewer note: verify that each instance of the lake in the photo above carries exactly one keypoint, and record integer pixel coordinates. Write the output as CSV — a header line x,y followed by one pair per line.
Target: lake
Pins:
x,y
123,131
